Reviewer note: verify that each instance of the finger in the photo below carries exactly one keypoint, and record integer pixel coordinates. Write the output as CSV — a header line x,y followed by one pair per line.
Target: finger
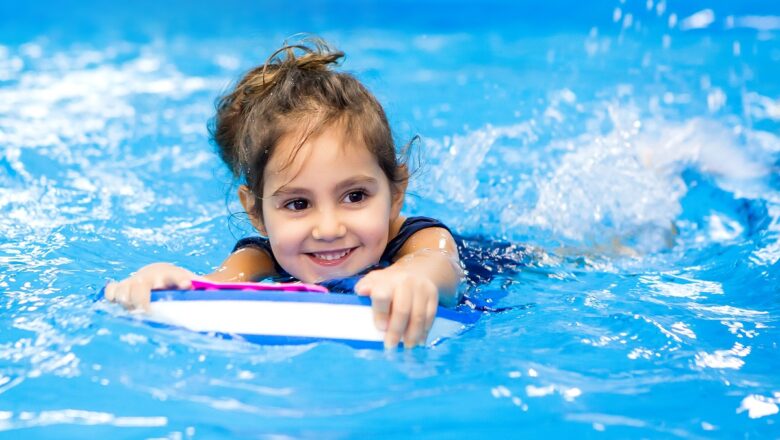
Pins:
x,y
182,281
416,326
430,315
108,291
135,295
144,300
121,292
140,295
185,284
364,286
399,316
381,300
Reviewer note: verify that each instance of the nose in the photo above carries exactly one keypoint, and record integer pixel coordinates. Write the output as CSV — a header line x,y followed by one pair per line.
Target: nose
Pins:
x,y
328,228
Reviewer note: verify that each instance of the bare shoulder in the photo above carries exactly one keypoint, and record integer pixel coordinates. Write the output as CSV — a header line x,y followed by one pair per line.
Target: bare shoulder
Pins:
x,y
439,239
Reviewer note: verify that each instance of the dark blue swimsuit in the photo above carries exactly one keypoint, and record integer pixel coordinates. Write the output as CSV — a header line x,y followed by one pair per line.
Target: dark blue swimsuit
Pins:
x,y
410,226
483,260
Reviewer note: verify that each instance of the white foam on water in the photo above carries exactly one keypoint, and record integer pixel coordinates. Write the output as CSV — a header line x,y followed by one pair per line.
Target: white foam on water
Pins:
x,y
723,359
769,253
28,419
681,287
698,20
682,329
758,406
453,174
762,107
78,111
729,311
620,185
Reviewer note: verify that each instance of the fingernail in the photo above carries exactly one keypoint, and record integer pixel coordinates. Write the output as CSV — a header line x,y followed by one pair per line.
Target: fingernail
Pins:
x,y
381,325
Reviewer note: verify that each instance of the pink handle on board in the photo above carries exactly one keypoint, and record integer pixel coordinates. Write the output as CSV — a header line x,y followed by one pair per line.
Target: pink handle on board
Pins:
x,y
285,287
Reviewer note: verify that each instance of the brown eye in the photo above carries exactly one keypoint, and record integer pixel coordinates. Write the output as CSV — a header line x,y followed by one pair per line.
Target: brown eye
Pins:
x,y
297,205
355,197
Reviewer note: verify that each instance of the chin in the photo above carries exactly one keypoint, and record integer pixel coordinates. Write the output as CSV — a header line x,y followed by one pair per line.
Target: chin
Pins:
x,y
317,275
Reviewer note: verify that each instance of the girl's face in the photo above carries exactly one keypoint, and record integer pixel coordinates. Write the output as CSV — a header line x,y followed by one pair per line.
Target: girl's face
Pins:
x,y
329,212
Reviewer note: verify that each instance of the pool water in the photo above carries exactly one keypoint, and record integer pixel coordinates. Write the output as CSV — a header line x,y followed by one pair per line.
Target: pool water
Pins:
x,y
616,165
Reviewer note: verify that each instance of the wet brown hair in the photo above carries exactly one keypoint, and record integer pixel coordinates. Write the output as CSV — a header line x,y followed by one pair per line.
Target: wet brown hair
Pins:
x,y
296,92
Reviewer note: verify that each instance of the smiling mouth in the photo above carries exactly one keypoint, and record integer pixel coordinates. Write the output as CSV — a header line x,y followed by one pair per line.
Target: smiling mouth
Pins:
x,y
330,258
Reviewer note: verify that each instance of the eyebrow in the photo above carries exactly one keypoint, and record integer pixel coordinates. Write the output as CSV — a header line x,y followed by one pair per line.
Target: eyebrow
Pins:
x,y
352,181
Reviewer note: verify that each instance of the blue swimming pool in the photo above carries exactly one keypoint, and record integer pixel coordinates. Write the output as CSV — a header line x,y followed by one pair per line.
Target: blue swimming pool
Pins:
x,y
616,165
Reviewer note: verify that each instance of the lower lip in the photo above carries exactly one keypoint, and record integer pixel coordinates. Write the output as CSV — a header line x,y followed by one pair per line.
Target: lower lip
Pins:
x,y
335,262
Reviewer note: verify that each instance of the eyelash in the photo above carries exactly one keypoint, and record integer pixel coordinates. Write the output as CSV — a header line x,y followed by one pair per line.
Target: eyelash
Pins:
x,y
289,205
360,191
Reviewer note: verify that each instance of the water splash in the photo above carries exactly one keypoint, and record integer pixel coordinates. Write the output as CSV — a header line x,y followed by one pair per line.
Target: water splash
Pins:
x,y
621,182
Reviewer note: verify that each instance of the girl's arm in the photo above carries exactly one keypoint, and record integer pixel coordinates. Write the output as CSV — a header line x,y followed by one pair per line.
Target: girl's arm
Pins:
x,y
404,296
245,264
135,291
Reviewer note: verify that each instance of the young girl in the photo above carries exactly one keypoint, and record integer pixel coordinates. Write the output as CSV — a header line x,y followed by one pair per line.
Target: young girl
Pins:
x,y
323,183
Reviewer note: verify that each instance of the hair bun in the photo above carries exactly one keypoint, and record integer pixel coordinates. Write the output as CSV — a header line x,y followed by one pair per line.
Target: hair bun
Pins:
x,y
311,53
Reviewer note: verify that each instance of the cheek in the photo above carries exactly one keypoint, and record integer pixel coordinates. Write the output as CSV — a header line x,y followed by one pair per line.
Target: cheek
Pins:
x,y
287,237
373,226
283,234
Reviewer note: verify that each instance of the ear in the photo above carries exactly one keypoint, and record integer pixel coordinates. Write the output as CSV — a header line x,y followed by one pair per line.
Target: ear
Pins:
x,y
398,191
248,201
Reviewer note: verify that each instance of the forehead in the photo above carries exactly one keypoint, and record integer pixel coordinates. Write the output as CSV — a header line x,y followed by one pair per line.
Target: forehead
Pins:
x,y
319,155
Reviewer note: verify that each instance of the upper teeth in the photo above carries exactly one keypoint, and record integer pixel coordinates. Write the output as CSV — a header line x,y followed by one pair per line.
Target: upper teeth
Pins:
x,y
331,255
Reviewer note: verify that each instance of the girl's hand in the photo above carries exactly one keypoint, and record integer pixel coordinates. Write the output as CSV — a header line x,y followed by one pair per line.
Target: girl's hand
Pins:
x,y
136,291
404,305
